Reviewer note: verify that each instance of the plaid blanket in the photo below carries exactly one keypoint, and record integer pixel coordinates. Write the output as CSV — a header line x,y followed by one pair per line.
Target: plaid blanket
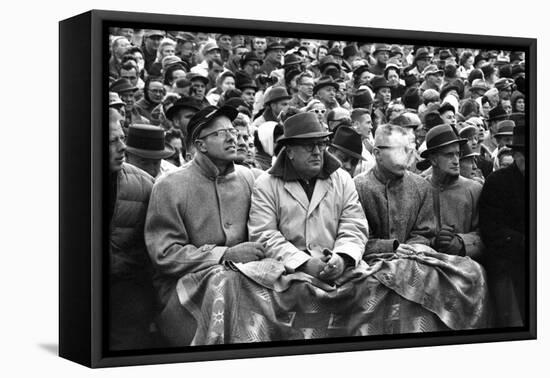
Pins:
x,y
258,301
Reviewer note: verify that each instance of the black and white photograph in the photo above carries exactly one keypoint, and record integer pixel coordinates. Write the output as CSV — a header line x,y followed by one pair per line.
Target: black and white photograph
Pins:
x,y
268,187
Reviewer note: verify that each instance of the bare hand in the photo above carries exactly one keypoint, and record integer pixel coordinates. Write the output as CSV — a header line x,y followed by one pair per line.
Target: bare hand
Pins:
x,y
406,249
245,252
314,266
334,268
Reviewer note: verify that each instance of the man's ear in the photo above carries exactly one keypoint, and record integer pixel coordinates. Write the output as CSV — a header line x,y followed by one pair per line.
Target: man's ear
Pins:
x,y
200,146
376,153
290,153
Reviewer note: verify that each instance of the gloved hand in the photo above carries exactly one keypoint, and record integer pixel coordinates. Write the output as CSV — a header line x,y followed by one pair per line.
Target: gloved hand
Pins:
x,y
314,266
448,242
244,252
333,269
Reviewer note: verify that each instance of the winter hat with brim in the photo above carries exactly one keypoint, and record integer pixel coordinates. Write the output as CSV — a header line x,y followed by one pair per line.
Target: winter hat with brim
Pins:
x,y
505,128
121,86
171,109
348,141
193,76
202,118
114,99
303,126
467,152
440,136
325,81
275,94
148,142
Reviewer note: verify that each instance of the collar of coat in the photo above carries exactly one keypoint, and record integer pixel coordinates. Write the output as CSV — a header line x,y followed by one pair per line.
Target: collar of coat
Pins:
x,y
208,168
284,169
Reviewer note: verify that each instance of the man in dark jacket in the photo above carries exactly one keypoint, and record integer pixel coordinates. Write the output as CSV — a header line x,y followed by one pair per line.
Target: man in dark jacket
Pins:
x,y
502,216
131,298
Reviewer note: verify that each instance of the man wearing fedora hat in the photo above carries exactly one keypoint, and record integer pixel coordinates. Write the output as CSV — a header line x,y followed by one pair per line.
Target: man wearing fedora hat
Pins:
x,y
273,57
276,101
350,54
325,91
468,164
455,198
151,44
496,115
381,54
197,215
329,66
503,221
131,297
305,210
198,88
210,51
126,91
433,78
382,99
422,59
146,149
347,147
504,137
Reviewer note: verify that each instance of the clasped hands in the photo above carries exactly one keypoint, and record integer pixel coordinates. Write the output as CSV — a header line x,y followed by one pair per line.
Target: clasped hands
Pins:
x,y
327,268
448,242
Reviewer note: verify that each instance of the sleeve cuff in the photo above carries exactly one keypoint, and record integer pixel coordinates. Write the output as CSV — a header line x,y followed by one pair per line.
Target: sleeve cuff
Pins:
x,y
295,260
218,253
381,245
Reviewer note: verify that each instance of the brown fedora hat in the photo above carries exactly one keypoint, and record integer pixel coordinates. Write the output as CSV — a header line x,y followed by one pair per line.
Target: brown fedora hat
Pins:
x,y
303,126
348,141
147,141
441,136
276,94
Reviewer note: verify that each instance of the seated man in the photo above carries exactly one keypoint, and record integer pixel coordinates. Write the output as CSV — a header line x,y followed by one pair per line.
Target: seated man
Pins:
x,y
197,215
455,198
306,209
397,202
131,296
399,207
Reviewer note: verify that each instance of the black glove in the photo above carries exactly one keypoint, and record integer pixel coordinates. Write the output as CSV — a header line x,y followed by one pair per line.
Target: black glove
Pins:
x,y
448,242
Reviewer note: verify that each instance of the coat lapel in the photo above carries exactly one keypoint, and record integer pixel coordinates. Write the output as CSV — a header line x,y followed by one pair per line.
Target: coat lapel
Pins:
x,y
295,190
321,189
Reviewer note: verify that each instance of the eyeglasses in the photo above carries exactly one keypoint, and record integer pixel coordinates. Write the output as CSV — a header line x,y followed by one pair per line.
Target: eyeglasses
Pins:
x,y
310,147
224,133
157,91
318,111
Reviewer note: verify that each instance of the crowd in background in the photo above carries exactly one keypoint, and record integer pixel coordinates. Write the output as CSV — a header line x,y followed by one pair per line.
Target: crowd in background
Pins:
x,y
474,98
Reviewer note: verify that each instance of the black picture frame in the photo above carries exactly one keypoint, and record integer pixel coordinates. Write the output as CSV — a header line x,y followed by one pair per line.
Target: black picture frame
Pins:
x,y
82,191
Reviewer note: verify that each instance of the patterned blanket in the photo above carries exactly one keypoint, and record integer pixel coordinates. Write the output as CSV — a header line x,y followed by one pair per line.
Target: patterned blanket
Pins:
x,y
258,301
